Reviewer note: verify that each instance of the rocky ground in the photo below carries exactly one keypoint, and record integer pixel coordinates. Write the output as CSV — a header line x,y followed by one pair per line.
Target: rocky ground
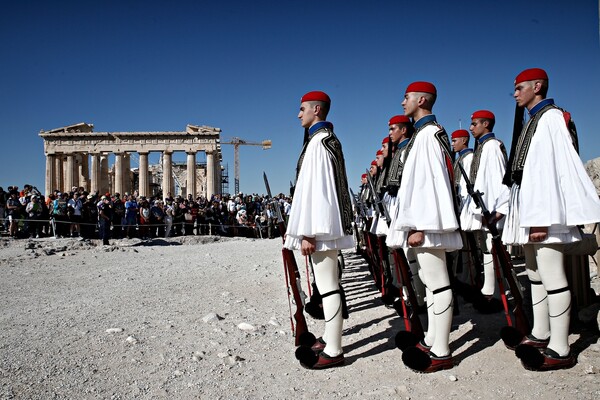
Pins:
x,y
207,318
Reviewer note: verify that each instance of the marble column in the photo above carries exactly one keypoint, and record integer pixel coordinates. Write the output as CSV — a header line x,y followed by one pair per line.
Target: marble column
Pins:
x,y
118,182
58,168
210,174
69,169
143,174
95,173
84,172
127,173
191,174
50,174
167,179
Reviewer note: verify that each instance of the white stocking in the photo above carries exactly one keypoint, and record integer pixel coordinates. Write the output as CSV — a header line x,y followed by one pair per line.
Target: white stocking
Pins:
x,y
539,297
489,277
550,267
327,280
435,276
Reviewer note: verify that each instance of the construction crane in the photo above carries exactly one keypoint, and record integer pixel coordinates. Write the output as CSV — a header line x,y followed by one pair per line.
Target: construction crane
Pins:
x,y
237,142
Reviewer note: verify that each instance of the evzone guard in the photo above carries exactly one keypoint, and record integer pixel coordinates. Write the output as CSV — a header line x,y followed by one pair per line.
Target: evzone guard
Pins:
x,y
486,171
550,196
428,224
466,265
320,223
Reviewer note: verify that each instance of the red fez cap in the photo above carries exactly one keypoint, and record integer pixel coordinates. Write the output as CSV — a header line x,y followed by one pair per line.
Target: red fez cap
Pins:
x,y
385,140
531,75
316,96
460,133
483,114
399,119
424,87
363,176
379,153
374,162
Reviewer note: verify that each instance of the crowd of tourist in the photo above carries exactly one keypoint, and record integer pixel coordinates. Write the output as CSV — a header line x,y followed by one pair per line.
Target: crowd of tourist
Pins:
x,y
26,213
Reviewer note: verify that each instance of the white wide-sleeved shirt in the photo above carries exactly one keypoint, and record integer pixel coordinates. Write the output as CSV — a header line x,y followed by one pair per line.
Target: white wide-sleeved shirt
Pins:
x,y
555,191
315,208
425,200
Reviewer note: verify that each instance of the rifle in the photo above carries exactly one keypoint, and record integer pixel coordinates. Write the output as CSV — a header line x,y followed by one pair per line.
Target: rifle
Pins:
x,y
382,209
386,272
359,213
517,128
370,256
359,206
292,281
502,262
412,322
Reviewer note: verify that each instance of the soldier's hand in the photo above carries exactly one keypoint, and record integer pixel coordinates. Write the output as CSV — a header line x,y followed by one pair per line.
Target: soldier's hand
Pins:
x,y
392,190
416,238
308,246
538,234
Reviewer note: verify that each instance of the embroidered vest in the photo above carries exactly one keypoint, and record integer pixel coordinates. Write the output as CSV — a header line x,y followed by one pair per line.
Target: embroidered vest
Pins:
x,y
524,142
334,148
477,157
455,167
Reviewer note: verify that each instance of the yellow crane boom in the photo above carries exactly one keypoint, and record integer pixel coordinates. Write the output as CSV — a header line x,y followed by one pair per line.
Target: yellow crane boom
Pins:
x,y
237,142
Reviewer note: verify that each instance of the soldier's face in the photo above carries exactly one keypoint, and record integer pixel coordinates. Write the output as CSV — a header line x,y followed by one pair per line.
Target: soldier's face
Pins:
x,y
395,133
410,104
307,114
477,128
458,144
525,94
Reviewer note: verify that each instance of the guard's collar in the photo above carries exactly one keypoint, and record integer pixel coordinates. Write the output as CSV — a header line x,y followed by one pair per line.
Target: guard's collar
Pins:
x,y
318,126
464,151
426,119
403,143
539,106
486,137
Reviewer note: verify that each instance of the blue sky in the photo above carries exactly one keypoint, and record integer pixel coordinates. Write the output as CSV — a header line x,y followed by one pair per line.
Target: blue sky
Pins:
x,y
242,66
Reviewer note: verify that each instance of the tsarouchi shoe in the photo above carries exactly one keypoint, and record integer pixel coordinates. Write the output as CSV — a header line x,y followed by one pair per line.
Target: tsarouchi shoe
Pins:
x,y
423,346
511,337
419,361
327,361
310,360
319,345
534,360
535,342
405,340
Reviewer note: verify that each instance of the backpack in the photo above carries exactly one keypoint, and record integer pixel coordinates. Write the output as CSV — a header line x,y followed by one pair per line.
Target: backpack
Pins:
x,y
60,207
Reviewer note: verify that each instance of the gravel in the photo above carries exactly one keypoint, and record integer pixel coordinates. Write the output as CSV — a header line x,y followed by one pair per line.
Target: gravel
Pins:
x,y
208,318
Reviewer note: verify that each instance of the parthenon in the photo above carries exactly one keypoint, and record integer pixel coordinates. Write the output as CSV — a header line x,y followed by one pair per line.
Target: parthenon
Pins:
x,y
78,156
